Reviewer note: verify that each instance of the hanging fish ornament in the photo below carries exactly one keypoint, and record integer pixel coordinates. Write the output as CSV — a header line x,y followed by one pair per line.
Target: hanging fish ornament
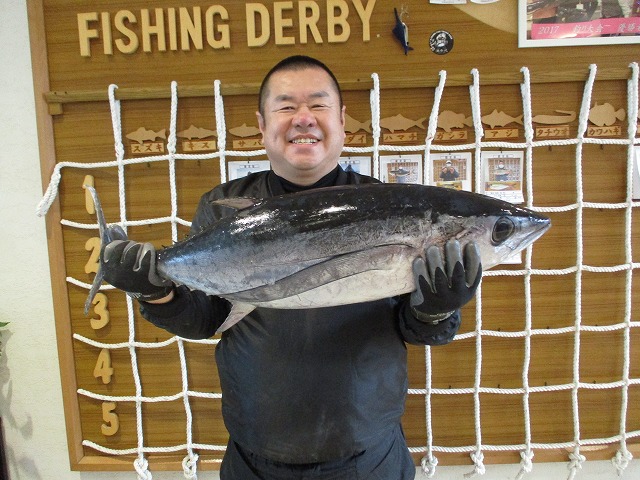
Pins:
x,y
401,32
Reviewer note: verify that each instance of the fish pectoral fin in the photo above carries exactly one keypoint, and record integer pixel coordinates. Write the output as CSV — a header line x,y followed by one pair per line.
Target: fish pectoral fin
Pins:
x,y
238,311
323,273
237,203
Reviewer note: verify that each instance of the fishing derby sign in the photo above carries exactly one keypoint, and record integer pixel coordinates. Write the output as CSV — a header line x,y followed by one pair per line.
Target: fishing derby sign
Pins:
x,y
198,28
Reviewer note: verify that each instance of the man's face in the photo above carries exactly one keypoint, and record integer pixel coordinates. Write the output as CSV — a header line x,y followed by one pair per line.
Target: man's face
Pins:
x,y
303,124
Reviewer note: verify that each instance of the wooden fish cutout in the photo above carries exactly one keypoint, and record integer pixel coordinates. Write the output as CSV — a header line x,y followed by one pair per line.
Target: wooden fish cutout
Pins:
x,y
196,132
244,131
448,120
401,31
351,125
500,119
142,135
400,122
566,116
605,115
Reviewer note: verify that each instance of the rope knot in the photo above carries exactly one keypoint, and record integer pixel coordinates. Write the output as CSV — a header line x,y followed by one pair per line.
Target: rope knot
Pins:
x,y
190,465
142,468
429,463
526,463
478,469
621,460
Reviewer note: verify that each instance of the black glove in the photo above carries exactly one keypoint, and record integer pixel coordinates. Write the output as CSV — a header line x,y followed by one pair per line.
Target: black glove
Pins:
x,y
439,294
131,267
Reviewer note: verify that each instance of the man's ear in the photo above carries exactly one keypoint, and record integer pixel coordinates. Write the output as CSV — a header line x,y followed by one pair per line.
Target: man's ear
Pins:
x,y
260,122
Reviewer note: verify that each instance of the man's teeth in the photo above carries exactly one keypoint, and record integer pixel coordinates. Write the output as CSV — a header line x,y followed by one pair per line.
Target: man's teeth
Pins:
x,y
304,140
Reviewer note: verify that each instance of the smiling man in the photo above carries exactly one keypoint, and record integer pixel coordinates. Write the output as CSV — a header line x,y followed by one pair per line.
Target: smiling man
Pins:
x,y
301,118
313,393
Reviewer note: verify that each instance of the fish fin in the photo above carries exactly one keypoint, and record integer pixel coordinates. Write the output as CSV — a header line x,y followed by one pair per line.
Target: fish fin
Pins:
x,y
237,203
95,286
238,311
322,273
107,235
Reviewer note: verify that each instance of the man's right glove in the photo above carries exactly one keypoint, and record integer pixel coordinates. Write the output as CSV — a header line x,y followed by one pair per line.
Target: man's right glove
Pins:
x,y
131,266
443,288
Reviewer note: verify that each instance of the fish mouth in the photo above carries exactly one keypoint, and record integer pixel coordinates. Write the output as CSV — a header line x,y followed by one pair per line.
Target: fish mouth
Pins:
x,y
542,224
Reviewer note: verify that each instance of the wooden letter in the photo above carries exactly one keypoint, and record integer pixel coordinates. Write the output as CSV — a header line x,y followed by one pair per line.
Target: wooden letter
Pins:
x,y
107,38
112,422
157,29
337,19
224,40
93,246
85,34
119,20
101,303
253,9
365,16
309,22
103,367
190,29
280,23
88,199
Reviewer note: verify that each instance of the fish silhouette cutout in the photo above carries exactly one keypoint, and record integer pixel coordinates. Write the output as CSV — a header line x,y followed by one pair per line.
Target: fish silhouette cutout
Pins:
x,y
401,32
605,115
196,132
566,117
244,131
142,135
351,125
400,122
500,119
448,120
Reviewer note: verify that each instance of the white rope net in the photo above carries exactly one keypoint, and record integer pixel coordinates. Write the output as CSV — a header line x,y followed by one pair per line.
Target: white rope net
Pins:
x,y
431,448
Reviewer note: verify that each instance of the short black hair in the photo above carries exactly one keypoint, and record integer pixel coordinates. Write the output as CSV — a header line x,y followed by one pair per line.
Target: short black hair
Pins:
x,y
295,62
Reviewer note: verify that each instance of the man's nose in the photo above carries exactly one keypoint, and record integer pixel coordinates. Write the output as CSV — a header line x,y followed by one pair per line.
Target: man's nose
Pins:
x,y
304,117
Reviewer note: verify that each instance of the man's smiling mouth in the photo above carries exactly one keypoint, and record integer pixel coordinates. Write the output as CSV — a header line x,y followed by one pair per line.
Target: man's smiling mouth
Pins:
x,y
303,141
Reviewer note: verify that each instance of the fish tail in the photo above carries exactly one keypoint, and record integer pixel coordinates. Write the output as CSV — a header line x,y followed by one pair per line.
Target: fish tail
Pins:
x,y
162,133
620,114
518,119
468,121
366,126
107,234
420,121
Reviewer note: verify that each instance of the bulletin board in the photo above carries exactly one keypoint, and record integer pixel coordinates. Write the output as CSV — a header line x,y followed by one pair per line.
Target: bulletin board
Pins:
x,y
547,359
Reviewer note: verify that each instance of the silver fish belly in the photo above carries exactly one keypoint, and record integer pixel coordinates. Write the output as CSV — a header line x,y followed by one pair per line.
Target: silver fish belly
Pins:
x,y
340,245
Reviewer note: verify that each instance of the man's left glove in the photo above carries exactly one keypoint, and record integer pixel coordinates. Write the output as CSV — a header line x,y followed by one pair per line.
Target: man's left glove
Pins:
x,y
131,267
439,294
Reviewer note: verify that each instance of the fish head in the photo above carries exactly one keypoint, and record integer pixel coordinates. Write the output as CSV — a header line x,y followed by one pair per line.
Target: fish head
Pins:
x,y
499,229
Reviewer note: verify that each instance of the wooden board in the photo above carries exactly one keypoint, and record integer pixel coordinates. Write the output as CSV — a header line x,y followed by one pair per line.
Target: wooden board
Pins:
x,y
75,126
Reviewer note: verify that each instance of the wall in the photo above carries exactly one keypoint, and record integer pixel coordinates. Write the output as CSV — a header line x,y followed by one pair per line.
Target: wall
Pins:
x,y
30,389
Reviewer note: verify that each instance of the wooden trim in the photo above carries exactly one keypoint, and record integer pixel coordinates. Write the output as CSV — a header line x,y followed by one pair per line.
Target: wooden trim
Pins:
x,y
55,243
56,99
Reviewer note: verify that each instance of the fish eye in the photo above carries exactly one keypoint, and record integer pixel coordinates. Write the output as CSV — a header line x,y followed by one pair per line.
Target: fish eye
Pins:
x,y
502,230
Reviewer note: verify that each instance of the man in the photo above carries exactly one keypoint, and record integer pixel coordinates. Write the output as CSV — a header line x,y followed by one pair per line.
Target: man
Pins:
x,y
316,393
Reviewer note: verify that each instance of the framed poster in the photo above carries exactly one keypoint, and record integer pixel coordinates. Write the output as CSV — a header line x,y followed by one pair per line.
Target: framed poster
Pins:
x,y
401,168
358,164
553,23
240,168
452,170
502,175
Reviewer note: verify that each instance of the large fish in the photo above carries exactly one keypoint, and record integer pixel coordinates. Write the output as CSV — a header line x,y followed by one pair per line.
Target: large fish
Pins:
x,y
335,246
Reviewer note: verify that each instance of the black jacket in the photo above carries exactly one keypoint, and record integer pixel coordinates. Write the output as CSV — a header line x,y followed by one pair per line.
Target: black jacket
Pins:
x,y
303,386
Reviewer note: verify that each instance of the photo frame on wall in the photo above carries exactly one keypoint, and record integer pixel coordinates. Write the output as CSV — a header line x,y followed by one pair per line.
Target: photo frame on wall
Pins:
x,y
554,23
